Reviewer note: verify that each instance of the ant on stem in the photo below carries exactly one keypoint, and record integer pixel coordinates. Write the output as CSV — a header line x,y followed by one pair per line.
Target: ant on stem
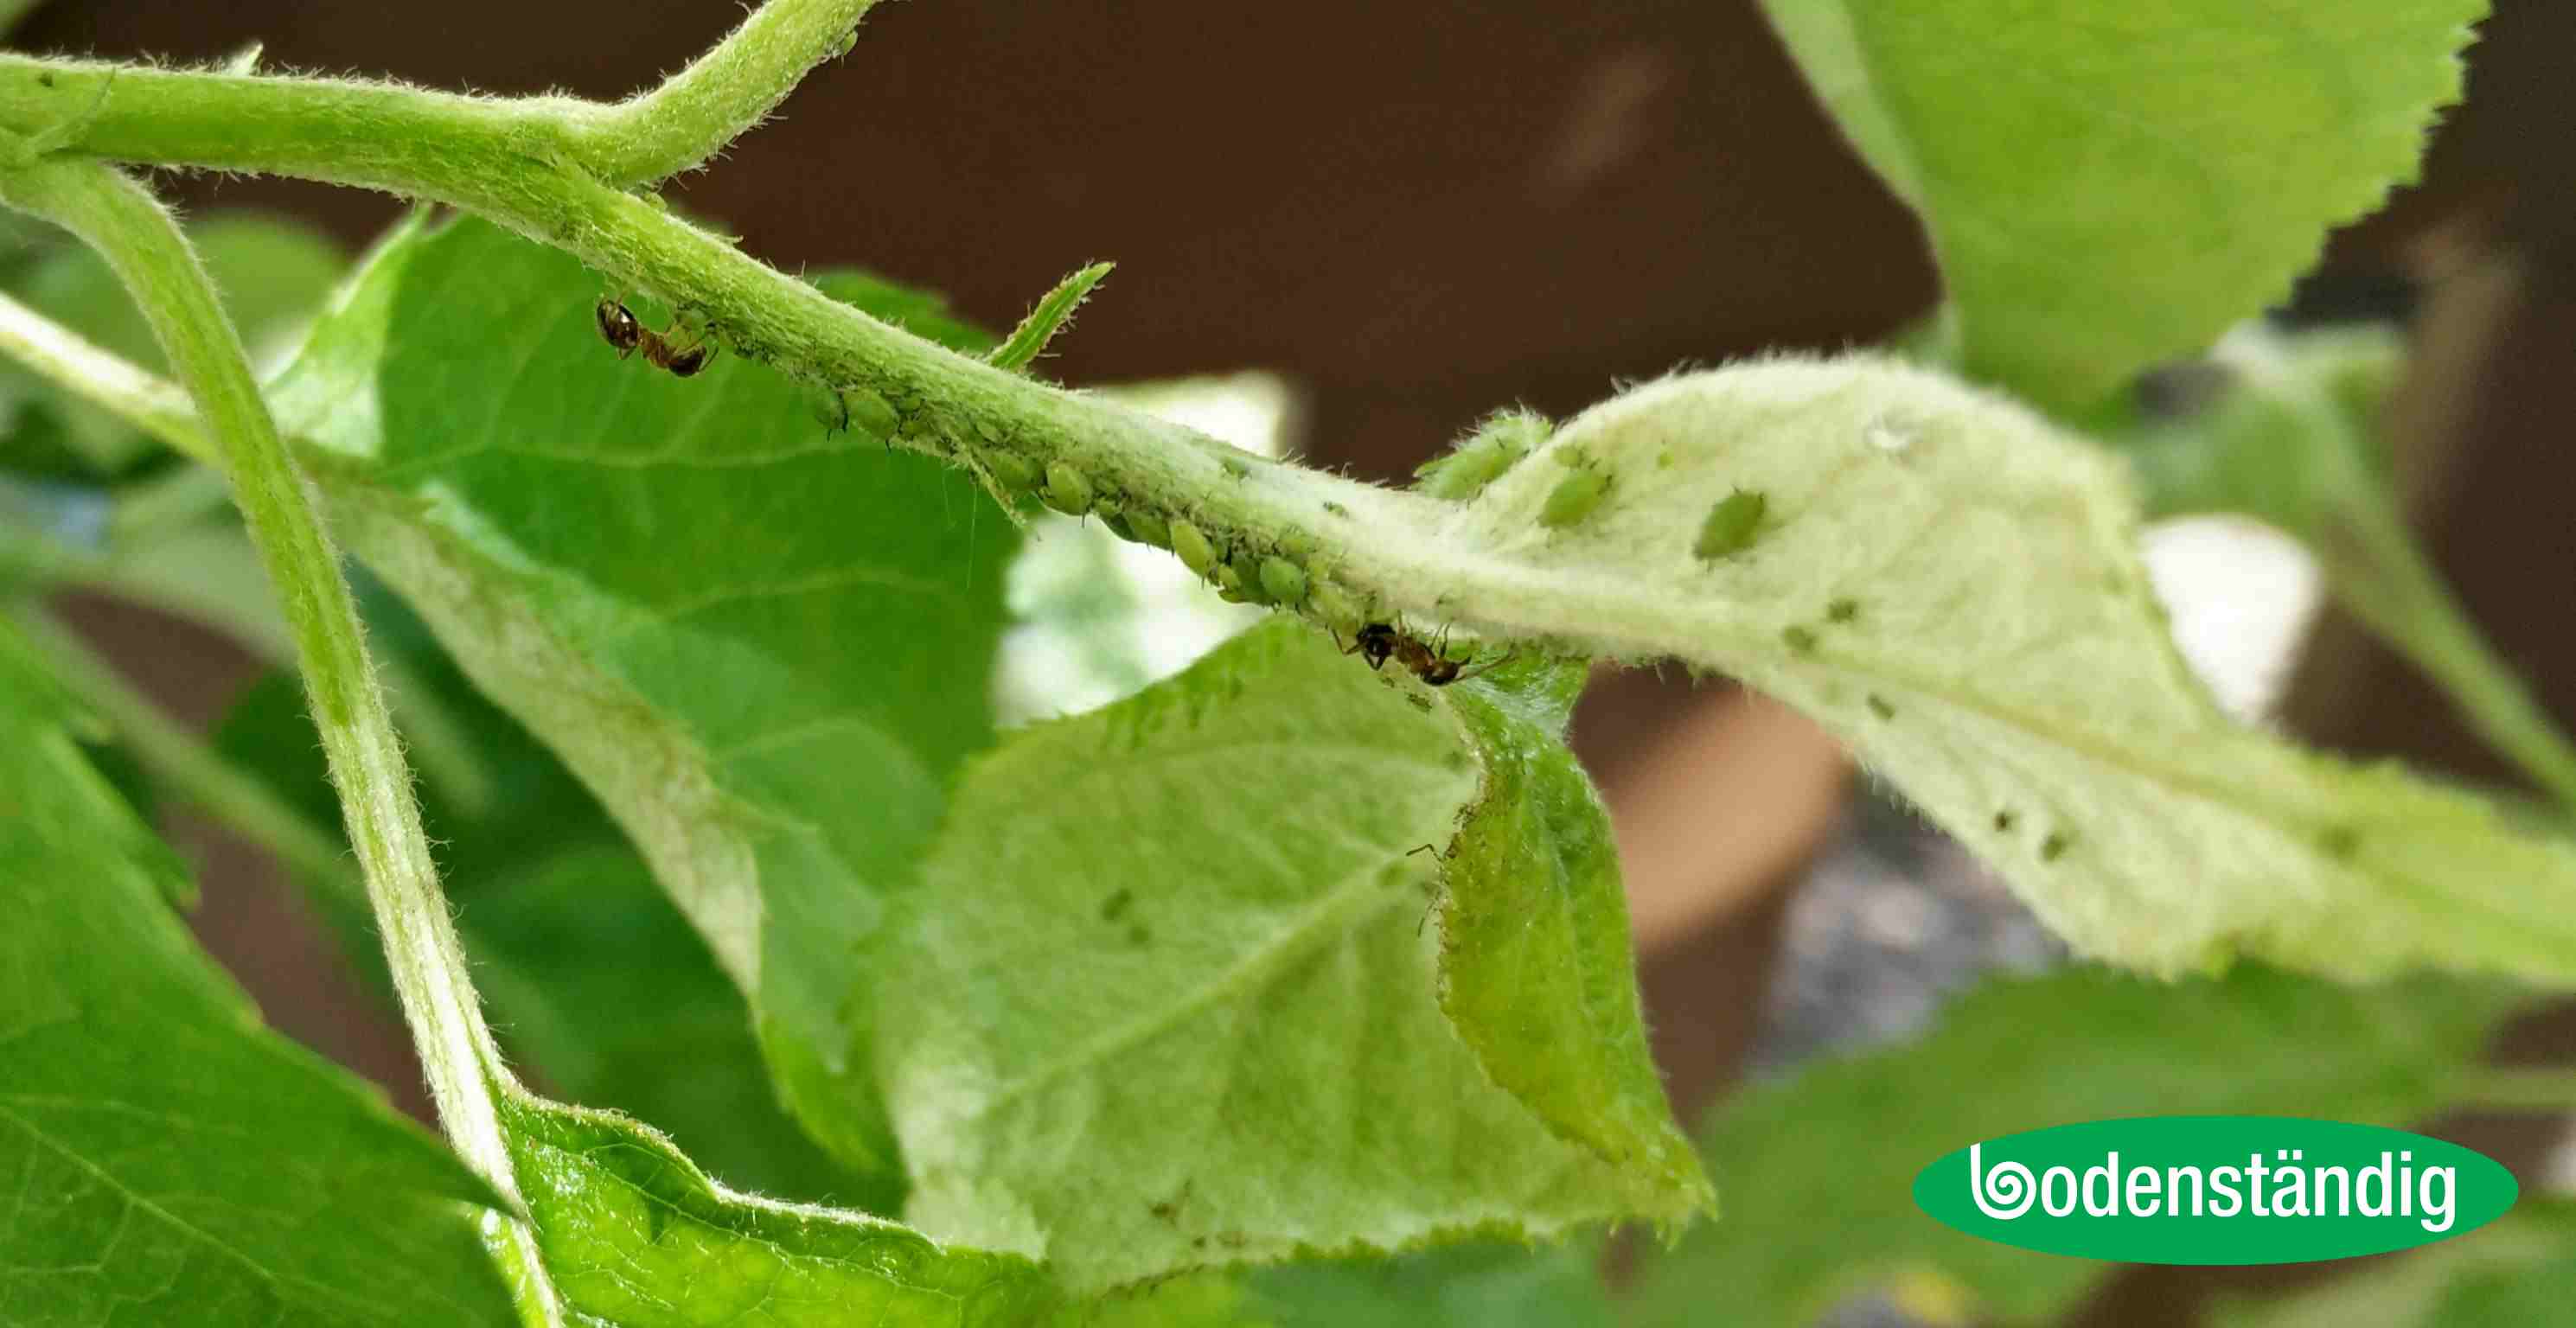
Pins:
x,y
619,327
1379,642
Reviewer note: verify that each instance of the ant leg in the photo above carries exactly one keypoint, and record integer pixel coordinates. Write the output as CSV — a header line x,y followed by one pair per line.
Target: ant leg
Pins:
x,y
1482,670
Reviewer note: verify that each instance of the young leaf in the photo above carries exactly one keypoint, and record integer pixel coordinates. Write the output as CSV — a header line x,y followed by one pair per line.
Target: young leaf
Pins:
x,y
763,644
1824,1184
1052,315
1537,969
1170,1002
2109,188
1951,586
170,1159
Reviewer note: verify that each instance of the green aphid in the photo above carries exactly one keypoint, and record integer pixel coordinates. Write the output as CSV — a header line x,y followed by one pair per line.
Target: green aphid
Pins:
x,y
1731,525
1235,465
1067,490
1842,610
1496,445
1334,606
1283,581
1116,520
2053,847
1229,584
1879,706
1573,498
1016,473
1799,639
1150,529
867,413
1247,575
1193,548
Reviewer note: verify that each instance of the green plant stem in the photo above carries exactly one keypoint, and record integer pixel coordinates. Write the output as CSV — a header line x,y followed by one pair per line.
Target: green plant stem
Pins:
x,y
144,247
691,115
179,763
507,161
2377,569
144,400
2382,574
2538,1089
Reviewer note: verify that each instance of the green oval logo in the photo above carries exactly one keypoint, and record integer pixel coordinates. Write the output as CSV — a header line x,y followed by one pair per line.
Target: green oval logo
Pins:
x,y
2215,1190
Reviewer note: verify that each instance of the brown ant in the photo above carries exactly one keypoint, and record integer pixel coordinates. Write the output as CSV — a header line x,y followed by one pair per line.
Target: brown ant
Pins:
x,y
1379,642
619,328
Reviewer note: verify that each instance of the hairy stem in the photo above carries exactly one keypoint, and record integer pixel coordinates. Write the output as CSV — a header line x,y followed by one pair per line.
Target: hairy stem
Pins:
x,y
143,246
692,114
105,380
514,163
2387,581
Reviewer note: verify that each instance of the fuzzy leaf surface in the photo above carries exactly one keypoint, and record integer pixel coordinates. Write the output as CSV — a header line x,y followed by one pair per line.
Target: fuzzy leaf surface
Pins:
x,y
1175,1005
2106,187
2025,1054
1538,971
169,1159
1952,587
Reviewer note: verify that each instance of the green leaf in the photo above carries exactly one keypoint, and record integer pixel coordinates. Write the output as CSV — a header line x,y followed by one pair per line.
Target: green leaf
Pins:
x,y
2518,1269
593,978
1538,971
273,273
1471,1286
1952,587
635,1236
170,1160
1170,1000
2106,188
766,647
1822,1165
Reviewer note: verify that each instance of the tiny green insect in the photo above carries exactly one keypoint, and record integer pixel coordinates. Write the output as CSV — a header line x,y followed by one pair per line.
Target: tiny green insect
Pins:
x,y
1731,525
1150,529
1799,639
1247,575
867,413
1573,498
1498,444
1334,605
1015,472
1067,490
1195,552
1284,581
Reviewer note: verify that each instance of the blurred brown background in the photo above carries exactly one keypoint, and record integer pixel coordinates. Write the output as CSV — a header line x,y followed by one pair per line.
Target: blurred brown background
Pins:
x,y
1419,212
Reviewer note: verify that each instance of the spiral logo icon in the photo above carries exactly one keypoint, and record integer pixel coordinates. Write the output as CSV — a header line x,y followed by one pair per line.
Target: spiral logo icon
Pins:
x,y
2004,1193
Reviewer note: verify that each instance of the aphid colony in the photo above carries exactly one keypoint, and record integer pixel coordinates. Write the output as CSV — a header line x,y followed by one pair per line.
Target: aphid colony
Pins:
x,y
619,328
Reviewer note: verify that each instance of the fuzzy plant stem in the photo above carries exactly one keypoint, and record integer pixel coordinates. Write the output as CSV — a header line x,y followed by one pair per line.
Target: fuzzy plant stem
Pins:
x,y
143,246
